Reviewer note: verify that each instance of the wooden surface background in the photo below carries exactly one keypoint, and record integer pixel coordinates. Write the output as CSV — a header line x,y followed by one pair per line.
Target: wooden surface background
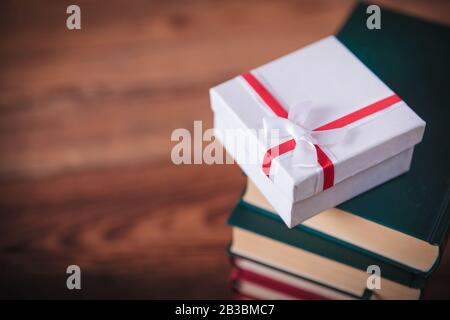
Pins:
x,y
85,124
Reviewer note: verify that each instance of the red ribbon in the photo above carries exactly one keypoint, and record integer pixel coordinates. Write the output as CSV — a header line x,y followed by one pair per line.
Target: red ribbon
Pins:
x,y
324,161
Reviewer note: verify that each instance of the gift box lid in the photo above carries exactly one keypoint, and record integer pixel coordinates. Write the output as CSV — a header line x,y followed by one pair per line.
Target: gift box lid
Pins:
x,y
367,122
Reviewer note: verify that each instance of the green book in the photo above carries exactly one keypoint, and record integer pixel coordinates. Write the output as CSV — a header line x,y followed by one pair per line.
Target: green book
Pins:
x,y
411,56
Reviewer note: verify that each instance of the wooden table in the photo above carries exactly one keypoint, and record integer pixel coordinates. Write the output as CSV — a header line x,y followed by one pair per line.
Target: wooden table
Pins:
x,y
86,119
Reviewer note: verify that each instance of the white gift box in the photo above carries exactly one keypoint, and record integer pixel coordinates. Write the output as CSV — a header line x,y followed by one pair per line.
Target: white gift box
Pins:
x,y
319,87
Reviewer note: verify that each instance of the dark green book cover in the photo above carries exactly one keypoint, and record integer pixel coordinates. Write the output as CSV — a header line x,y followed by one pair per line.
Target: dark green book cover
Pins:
x,y
412,57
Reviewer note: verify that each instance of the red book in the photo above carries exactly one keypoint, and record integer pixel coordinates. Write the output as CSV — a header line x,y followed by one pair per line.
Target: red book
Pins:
x,y
250,280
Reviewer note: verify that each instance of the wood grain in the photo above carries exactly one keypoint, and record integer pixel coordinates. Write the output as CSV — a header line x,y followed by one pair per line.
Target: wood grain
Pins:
x,y
85,124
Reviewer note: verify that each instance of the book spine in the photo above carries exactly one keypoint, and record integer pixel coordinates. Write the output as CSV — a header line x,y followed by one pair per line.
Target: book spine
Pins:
x,y
441,225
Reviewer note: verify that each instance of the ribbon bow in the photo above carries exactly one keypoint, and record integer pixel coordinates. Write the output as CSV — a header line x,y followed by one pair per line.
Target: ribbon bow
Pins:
x,y
306,142
304,153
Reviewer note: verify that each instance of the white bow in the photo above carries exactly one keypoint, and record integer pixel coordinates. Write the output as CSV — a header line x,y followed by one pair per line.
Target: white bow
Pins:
x,y
304,154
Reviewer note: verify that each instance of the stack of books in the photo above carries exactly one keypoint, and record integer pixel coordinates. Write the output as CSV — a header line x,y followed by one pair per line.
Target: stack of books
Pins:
x,y
330,256
386,242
